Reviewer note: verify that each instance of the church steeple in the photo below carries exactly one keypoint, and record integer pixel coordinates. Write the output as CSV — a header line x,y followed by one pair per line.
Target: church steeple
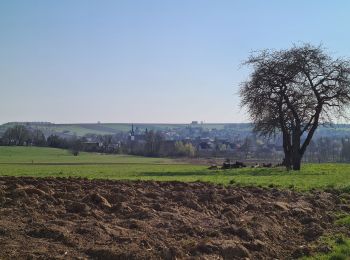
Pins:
x,y
132,133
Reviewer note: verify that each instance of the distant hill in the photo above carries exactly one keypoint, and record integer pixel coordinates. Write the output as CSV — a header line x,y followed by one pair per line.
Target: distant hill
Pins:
x,y
111,128
48,128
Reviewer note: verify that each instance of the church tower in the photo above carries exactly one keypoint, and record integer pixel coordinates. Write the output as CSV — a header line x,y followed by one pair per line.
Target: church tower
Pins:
x,y
132,133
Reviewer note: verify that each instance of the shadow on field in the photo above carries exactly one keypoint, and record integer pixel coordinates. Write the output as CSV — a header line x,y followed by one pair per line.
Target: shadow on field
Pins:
x,y
279,173
229,173
160,174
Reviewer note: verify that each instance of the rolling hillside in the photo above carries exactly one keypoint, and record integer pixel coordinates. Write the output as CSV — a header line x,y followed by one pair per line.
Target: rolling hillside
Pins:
x,y
336,130
112,128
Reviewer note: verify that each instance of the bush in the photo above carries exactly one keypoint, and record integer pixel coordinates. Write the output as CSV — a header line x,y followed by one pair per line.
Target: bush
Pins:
x,y
184,149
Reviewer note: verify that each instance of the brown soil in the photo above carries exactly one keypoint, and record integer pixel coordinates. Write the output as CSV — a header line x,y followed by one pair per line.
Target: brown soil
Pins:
x,y
100,219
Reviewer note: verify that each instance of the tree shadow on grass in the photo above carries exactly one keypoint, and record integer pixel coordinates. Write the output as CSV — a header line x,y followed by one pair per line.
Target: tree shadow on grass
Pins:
x,y
280,173
226,173
174,174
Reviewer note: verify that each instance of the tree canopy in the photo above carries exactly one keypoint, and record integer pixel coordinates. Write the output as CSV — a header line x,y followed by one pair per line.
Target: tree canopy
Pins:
x,y
292,92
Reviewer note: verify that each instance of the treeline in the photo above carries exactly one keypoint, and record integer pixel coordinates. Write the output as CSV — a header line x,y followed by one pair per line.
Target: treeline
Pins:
x,y
153,143
19,135
327,149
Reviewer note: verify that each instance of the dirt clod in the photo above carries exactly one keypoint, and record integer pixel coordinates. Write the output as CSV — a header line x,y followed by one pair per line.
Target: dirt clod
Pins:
x,y
234,251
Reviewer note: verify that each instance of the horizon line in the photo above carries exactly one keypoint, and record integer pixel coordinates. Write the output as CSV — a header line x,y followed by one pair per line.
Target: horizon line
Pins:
x,y
139,123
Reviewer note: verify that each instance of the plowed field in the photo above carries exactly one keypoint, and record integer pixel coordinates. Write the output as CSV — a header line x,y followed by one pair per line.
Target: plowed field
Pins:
x,y
104,219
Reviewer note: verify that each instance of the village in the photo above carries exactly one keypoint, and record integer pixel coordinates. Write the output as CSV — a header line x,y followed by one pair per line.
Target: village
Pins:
x,y
194,140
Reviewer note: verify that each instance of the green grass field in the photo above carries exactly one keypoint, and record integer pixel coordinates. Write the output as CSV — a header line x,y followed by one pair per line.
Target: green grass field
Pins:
x,y
340,249
41,155
43,162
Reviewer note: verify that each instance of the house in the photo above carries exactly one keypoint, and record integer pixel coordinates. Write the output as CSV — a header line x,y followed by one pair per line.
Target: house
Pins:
x,y
91,146
207,146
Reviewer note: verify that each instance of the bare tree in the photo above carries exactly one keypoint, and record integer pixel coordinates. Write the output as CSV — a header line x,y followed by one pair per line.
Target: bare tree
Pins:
x,y
292,92
246,147
38,137
16,135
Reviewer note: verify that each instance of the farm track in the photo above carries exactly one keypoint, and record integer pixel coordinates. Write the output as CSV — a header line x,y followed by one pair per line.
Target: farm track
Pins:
x,y
72,218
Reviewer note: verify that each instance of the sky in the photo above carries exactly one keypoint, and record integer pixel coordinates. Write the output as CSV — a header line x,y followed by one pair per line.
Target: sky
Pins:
x,y
147,61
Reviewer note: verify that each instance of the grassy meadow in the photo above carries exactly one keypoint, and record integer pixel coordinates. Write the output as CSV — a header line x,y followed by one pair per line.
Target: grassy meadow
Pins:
x,y
50,162
43,155
44,162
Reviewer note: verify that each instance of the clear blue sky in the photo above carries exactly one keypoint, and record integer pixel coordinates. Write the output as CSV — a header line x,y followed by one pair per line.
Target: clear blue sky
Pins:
x,y
147,61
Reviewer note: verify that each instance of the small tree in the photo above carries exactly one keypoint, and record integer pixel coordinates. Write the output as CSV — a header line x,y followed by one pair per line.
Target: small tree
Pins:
x,y
182,149
292,92
75,146
153,143
56,141
246,147
345,150
190,150
38,137
16,135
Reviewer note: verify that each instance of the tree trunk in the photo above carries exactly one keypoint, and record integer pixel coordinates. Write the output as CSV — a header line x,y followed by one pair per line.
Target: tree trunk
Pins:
x,y
287,161
296,161
296,153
